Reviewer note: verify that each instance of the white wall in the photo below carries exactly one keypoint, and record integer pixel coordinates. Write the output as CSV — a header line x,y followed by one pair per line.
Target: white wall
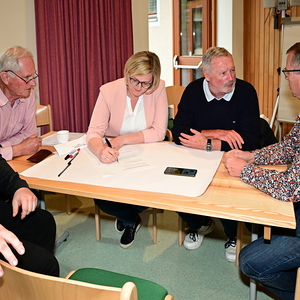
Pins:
x,y
17,27
230,30
17,24
140,25
160,41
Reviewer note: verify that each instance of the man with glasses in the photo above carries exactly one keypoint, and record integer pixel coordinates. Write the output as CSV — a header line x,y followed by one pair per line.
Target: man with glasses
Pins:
x,y
18,133
286,72
275,264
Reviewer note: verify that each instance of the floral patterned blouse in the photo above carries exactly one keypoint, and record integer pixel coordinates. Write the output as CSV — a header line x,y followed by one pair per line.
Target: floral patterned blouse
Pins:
x,y
284,185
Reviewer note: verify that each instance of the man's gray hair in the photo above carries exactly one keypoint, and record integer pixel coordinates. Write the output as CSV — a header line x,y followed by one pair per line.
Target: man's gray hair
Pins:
x,y
296,57
211,53
9,59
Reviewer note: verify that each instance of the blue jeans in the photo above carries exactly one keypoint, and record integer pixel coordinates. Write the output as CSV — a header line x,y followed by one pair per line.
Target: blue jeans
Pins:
x,y
275,264
126,213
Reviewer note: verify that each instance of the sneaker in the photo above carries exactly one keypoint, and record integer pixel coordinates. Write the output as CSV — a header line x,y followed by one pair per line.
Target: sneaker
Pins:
x,y
230,250
127,238
119,226
194,238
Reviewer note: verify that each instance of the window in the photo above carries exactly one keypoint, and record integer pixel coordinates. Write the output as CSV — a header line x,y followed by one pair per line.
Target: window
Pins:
x,y
154,12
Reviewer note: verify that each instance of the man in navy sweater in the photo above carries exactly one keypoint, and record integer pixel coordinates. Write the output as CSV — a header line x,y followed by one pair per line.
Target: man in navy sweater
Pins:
x,y
216,112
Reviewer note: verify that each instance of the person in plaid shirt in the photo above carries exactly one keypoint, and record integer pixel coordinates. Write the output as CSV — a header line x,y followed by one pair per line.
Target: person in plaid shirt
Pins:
x,y
275,265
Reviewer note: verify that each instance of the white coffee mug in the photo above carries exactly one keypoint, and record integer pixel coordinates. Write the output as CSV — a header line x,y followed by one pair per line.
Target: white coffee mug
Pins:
x,y
62,136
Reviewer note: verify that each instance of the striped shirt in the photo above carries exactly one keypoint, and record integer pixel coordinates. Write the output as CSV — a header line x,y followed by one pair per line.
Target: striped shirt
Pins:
x,y
17,122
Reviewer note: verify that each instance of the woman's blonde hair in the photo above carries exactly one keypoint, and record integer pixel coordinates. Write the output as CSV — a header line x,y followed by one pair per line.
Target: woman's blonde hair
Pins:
x,y
143,63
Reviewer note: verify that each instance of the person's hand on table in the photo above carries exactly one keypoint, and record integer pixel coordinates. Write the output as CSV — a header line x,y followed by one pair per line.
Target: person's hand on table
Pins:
x,y
7,237
245,155
235,165
197,141
28,146
108,155
234,139
235,161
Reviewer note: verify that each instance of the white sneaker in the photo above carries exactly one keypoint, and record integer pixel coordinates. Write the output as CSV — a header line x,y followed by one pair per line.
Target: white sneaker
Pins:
x,y
193,239
230,250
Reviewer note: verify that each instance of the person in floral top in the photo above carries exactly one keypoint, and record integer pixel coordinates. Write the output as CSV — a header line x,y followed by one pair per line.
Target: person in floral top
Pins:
x,y
275,264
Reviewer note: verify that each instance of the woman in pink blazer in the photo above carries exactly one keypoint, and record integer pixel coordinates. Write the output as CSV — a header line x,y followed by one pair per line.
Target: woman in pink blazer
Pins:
x,y
132,110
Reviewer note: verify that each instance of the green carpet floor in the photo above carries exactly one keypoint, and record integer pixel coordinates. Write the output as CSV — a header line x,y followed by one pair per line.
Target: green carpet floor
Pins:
x,y
187,275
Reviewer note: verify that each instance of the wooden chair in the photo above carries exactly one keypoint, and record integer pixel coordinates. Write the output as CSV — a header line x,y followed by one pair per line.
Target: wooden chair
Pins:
x,y
174,94
44,116
146,289
20,284
98,224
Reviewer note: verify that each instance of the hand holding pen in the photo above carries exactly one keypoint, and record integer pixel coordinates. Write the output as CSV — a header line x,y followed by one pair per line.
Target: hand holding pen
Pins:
x,y
110,146
70,161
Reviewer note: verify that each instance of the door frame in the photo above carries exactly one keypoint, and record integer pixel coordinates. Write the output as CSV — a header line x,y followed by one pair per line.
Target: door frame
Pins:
x,y
208,35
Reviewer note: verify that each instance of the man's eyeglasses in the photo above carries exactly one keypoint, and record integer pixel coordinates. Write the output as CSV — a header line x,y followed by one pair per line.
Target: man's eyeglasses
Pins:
x,y
27,79
286,72
145,85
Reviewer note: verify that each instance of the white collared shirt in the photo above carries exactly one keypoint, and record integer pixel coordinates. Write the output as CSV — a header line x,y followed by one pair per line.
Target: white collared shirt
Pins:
x,y
209,96
134,121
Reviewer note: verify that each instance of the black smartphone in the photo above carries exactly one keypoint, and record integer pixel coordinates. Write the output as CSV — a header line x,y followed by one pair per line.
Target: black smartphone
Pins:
x,y
39,156
180,171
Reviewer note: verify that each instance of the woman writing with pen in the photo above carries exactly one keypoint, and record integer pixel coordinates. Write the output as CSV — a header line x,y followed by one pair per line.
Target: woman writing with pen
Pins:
x,y
132,110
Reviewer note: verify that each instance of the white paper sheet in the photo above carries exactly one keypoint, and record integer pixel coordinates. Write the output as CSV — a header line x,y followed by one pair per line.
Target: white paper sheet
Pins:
x,y
128,160
87,169
65,148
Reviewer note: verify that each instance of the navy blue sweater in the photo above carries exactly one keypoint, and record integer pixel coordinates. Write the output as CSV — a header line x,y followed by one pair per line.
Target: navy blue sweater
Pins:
x,y
241,113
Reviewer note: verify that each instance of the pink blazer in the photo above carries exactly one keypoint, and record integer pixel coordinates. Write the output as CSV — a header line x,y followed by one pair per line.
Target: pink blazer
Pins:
x,y
109,110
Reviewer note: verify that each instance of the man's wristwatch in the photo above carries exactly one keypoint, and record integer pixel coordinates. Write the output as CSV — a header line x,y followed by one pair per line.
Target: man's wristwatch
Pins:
x,y
208,146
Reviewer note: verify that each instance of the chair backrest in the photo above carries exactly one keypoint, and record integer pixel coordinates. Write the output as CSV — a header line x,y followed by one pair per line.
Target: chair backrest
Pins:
x,y
267,136
44,116
20,284
174,94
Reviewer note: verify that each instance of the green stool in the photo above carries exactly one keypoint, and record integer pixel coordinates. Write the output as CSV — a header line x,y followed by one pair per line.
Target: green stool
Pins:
x,y
147,290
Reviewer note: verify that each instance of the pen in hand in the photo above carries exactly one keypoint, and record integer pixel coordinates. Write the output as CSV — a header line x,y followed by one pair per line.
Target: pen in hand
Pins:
x,y
69,163
110,146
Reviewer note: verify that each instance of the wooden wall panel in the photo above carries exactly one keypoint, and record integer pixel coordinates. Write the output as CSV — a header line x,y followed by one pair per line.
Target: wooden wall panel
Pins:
x,y
262,51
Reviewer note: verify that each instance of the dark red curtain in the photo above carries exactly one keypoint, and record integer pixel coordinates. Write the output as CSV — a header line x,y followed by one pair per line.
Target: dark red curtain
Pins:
x,y
81,44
